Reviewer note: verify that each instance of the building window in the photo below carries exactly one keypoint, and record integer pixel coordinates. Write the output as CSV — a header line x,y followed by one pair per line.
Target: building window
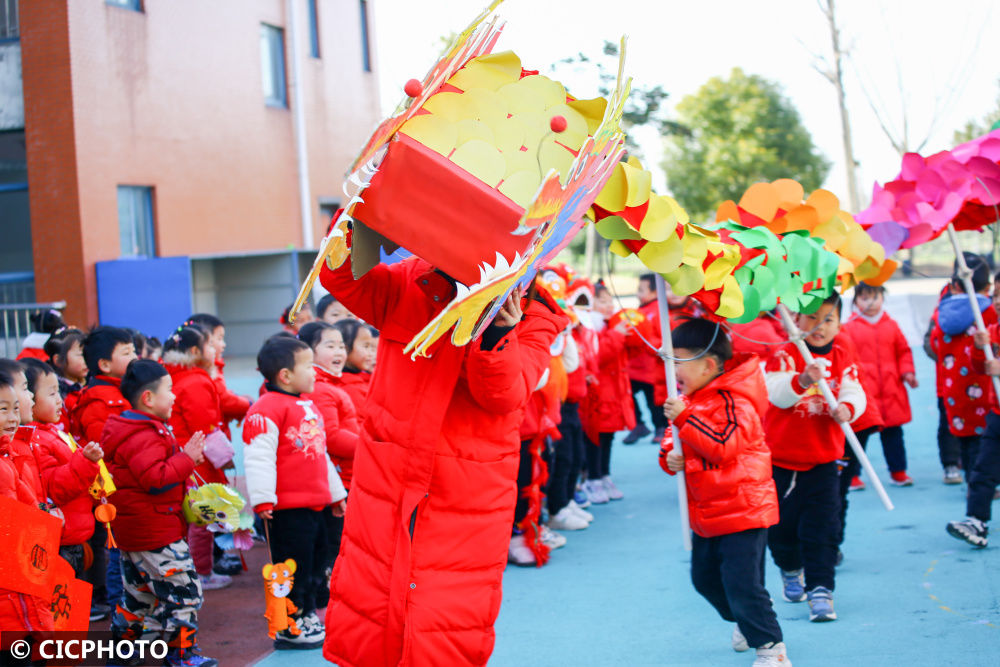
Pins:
x,y
366,54
272,65
313,30
135,221
8,19
327,207
134,5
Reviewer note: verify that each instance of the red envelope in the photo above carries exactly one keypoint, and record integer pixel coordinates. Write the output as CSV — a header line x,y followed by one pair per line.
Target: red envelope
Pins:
x,y
29,548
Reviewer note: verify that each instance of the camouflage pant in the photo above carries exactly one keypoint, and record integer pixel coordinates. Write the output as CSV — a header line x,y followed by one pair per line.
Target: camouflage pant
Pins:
x,y
162,591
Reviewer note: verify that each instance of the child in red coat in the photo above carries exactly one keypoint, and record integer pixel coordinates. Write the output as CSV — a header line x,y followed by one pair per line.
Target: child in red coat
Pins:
x,y
162,592
107,352
234,407
888,364
65,350
610,408
731,496
19,613
806,441
189,356
290,478
361,342
340,421
67,471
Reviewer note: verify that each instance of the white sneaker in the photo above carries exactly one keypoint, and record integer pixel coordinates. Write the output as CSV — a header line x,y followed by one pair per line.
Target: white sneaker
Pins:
x,y
776,656
519,554
566,519
214,581
551,538
739,641
580,512
613,492
596,492
313,627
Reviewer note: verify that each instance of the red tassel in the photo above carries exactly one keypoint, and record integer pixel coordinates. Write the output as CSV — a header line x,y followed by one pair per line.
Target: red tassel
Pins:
x,y
533,492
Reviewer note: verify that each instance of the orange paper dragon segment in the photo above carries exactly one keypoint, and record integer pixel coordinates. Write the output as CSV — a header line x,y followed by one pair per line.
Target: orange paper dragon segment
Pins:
x,y
29,538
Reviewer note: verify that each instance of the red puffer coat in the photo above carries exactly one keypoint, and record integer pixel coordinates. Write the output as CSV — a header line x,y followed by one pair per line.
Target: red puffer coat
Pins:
x,y
197,407
609,407
885,358
234,407
727,465
100,399
66,477
340,420
418,579
150,473
356,385
872,416
643,363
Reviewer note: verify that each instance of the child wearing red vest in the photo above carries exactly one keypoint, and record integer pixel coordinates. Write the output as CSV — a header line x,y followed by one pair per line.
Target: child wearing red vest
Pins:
x,y
162,592
731,496
188,355
66,472
806,441
290,478
888,364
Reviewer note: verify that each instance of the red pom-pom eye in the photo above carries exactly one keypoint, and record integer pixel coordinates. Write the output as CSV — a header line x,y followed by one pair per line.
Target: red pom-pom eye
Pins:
x,y
558,124
413,88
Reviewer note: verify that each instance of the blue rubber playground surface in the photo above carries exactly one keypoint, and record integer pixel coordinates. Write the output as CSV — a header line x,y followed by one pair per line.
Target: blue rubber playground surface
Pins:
x,y
619,593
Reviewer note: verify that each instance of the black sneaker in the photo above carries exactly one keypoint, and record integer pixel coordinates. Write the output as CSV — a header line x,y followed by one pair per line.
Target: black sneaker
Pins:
x,y
658,436
972,530
99,612
639,432
228,565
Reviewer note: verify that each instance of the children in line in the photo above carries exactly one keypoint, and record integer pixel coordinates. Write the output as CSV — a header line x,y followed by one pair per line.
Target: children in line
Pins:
x,y
731,495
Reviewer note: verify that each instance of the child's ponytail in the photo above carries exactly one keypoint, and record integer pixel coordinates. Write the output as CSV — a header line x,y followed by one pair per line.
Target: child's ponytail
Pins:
x,y
177,347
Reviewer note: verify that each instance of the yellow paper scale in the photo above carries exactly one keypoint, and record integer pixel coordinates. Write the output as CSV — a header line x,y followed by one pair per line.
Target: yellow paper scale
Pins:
x,y
497,128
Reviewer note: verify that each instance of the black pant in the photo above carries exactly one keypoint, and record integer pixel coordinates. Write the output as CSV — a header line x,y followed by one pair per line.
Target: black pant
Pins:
x,y
985,475
565,465
727,571
523,481
334,533
599,456
892,445
968,446
96,575
850,468
300,533
949,450
649,396
807,533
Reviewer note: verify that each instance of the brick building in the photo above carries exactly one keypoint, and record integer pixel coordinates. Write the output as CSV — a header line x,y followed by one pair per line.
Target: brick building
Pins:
x,y
174,155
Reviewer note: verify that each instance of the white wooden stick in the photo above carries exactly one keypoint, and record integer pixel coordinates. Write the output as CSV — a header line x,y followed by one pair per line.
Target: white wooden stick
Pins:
x,y
667,348
796,337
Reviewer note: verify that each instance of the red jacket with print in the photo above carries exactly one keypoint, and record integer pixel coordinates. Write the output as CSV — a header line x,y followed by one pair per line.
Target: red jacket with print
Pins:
x,y
798,426
964,383
99,400
150,472
727,465
66,479
340,421
285,459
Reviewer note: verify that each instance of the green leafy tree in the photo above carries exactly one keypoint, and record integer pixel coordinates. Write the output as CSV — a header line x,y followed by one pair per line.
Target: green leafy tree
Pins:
x,y
743,130
977,128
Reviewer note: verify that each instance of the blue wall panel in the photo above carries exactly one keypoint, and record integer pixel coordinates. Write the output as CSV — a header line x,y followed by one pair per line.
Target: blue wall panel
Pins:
x,y
152,295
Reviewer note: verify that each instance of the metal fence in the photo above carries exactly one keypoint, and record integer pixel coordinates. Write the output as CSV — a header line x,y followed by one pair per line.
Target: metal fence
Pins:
x,y
15,323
